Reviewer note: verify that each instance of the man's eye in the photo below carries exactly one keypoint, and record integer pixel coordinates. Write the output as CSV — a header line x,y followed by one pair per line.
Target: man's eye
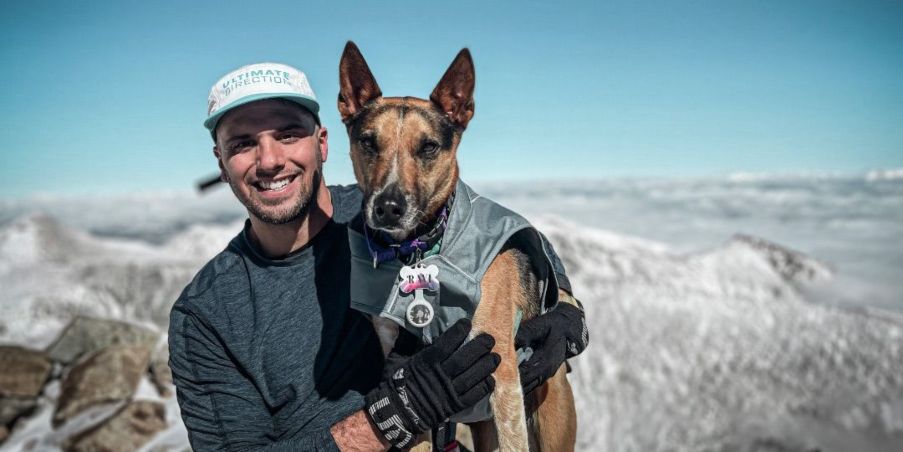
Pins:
x,y
289,137
240,146
368,144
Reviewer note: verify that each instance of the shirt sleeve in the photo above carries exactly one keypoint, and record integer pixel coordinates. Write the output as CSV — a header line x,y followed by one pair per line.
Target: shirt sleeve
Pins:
x,y
221,408
563,282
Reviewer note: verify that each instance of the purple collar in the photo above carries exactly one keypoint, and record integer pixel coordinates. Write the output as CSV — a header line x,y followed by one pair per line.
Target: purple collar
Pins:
x,y
415,247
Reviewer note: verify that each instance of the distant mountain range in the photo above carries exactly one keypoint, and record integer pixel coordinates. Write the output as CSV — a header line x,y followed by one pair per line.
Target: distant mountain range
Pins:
x,y
721,349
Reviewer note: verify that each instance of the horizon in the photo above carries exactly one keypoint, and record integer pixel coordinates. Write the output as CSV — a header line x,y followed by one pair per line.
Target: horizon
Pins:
x,y
110,98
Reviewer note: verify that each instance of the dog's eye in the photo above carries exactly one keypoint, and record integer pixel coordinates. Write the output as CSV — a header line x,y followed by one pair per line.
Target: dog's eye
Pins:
x,y
429,148
367,144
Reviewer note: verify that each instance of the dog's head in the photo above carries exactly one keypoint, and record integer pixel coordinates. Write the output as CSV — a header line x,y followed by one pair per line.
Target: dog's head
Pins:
x,y
403,148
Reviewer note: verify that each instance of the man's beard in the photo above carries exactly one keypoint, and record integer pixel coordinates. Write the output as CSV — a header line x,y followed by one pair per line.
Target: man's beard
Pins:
x,y
299,210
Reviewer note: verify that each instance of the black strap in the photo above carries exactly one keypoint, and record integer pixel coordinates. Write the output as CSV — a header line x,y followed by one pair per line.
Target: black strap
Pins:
x,y
443,436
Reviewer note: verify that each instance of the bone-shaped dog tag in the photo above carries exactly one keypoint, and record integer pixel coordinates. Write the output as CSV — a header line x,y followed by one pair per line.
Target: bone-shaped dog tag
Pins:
x,y
418,276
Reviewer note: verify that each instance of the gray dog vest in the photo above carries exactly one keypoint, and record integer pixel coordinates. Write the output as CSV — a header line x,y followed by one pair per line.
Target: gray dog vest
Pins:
x,y
477,230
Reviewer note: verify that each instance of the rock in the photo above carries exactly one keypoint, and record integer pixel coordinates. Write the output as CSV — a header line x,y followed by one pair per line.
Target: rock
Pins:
x,y
792,265
85,335
127,430
160,373
13,407
110,375
22,371
4,433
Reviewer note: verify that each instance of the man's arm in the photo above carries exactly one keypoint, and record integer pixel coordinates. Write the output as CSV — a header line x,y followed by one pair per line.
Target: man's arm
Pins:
x,y
356,433
421,391
221,408
554,336
564,283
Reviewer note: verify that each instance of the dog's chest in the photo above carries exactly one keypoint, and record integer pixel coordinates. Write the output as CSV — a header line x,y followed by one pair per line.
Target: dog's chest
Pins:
x,y
387,331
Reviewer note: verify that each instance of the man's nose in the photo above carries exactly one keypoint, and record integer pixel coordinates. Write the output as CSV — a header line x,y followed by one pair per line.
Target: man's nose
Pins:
x,y
270,155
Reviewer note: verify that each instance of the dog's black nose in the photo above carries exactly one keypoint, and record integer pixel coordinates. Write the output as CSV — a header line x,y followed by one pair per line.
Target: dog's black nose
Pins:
x,y
388,208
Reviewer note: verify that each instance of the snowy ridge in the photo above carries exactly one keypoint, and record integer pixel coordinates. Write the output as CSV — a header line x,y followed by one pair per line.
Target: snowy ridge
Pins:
x,y
50,273
711,350
720,351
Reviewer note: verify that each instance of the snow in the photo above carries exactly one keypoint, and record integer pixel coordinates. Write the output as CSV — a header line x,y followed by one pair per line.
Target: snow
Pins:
x,y
695,344
719,350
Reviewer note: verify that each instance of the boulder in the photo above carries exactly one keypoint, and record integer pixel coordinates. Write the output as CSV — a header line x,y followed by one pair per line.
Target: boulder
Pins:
x,y
85,335
110,375
13,407
22,371
129,429
160,373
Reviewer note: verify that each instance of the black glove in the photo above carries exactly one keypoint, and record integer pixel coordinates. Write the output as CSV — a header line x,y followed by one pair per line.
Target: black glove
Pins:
x,y
554,336
433,384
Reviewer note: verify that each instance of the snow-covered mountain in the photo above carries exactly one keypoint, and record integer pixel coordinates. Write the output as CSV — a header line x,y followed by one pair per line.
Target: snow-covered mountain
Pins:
x,y
695,345
50,273
713,350
722,350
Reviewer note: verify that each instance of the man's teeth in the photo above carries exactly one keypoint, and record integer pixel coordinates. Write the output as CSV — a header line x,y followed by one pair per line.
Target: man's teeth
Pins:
x,y
273,185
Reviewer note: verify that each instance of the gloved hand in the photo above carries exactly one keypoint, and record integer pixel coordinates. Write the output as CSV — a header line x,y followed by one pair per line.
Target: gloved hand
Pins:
x,y
554,336
431,385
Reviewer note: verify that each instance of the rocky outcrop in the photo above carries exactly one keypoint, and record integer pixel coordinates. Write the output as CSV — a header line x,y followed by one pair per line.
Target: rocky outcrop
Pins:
x,y
160,373
127,430
792,265
109,375
85,335
13,407
22,371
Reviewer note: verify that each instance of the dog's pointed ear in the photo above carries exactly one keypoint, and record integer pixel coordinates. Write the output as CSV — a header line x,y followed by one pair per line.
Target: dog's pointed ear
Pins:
x,y
357,86
454,93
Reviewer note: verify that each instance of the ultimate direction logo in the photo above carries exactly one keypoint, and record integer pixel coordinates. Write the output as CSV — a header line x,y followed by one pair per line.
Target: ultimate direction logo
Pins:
x,y
252,77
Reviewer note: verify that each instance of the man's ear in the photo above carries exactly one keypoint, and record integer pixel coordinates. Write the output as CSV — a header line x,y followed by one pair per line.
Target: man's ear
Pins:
x,y
454,93
357,86
323,139
219,161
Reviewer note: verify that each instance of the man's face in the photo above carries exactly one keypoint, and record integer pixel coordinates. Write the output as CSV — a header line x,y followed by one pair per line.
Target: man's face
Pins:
x,y
272,152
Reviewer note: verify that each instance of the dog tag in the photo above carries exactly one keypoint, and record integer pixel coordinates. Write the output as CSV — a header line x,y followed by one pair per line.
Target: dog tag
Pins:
x,y
420,311
418,276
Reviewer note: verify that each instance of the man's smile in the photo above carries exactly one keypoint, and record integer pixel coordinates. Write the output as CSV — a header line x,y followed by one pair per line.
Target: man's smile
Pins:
x,y
275,186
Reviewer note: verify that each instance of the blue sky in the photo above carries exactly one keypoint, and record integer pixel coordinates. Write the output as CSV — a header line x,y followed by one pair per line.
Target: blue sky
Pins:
x,y
104,97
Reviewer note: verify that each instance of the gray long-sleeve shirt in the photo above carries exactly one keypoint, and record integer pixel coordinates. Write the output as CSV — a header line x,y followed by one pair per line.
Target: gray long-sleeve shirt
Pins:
x,y
266,353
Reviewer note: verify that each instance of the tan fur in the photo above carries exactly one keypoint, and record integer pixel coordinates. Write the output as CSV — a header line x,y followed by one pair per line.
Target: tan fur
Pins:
x,y
502,296
554,420
397,135
387,137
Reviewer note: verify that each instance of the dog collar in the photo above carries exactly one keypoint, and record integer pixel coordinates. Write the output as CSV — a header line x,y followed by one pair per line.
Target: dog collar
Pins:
x,y
415,249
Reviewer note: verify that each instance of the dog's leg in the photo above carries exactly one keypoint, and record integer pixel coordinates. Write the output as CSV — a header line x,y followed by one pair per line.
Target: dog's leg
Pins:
x,y
554,415
483,436
555,418
386,331
502,297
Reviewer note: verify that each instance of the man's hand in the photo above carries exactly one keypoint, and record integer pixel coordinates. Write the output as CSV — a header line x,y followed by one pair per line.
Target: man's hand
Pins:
x,y
434,383
554,336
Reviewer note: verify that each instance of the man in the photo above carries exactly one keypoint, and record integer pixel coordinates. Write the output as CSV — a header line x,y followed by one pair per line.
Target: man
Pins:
x,y
264,349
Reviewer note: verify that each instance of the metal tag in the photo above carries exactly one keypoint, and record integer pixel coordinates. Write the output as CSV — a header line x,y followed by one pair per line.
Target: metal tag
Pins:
x,y
420,312
417,278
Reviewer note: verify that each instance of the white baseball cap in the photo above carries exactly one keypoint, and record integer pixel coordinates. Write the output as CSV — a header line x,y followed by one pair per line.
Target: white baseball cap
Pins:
x,y
256,82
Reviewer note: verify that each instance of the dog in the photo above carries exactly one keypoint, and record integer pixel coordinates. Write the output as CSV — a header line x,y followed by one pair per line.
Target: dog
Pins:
x,y
404,155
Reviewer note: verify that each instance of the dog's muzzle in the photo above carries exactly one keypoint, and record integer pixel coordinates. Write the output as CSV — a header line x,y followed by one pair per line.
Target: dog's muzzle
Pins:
x,y
389,207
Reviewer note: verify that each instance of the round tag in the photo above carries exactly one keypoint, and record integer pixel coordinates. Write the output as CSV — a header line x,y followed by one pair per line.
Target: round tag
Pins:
x,y
420,313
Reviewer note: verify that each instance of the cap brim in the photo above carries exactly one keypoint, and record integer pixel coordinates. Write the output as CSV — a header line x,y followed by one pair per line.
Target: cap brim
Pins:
x,y
309,103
